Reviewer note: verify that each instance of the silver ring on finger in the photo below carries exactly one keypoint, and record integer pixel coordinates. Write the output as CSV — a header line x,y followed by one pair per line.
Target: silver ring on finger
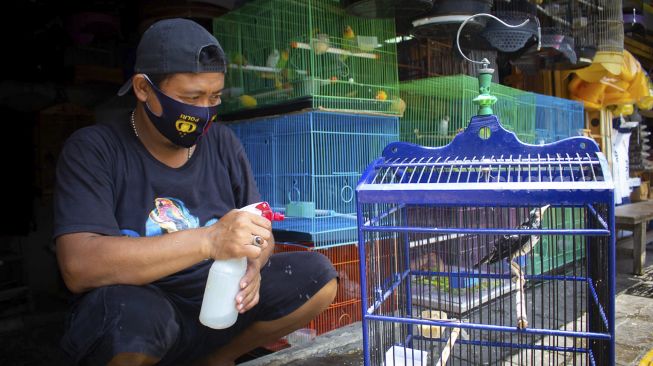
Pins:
x,y
257,241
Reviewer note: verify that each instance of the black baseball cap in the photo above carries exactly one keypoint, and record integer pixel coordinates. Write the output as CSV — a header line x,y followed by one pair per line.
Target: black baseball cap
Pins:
x,y
173,46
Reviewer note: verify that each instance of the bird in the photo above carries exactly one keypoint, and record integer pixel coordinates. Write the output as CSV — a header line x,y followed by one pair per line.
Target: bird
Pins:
x,y
321,42
348,34
444,126
248,101
398,106
271,62
238,59
381,95
348,37
282,74
513,246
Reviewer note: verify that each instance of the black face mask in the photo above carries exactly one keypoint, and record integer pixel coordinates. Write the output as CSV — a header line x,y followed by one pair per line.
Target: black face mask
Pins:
x,y
181,123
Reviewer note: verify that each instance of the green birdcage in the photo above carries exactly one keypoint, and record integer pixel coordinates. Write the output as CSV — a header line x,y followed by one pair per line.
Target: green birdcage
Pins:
x,y
308,52
438,108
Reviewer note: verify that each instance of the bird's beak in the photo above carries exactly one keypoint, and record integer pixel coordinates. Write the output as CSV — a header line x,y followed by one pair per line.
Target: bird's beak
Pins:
x,y
544,208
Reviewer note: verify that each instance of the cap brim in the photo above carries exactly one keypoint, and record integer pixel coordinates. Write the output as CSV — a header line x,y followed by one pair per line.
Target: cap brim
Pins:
x,y
126,87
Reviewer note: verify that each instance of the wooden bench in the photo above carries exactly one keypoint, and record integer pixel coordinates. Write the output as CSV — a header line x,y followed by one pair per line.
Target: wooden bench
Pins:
x,y
635,217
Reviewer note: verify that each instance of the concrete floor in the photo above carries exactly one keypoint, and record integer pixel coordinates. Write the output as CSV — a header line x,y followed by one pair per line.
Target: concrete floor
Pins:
x,y
634,312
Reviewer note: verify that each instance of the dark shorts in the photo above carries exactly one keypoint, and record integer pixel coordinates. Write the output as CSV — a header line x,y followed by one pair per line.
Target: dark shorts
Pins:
x,y
149,320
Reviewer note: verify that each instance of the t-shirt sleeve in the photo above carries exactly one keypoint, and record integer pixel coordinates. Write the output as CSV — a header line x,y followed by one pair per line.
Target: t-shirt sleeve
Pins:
x,y
83,197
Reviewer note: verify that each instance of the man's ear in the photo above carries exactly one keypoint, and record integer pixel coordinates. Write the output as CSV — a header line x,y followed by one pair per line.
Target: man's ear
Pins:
x,y
141,87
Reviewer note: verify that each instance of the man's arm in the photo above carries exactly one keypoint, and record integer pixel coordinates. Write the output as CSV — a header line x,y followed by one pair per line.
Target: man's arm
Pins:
x,y
89,260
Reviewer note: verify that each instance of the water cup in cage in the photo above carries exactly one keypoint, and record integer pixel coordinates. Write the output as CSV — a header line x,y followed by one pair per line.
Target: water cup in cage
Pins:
x,y
404,356
367,43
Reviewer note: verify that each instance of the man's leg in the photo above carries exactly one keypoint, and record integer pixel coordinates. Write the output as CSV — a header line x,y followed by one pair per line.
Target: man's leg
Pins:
x,y
133,359
121,325
264,332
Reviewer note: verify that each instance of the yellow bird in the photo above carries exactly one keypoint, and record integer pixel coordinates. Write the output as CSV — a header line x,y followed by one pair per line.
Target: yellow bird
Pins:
x,y
381,95
248,101
348,41
348,34
238,59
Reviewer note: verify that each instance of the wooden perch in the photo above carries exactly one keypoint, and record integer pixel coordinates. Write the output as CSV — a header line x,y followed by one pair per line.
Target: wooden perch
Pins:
x,y
337,51
446,352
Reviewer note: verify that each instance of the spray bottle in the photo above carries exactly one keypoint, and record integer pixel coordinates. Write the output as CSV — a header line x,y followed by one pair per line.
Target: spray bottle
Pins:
x,y
219,303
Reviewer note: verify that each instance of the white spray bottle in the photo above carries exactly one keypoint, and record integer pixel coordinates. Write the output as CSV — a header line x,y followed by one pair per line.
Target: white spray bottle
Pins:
x,y
219,302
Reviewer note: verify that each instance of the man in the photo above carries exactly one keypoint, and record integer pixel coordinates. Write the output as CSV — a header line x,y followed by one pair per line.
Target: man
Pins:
x,y
143,202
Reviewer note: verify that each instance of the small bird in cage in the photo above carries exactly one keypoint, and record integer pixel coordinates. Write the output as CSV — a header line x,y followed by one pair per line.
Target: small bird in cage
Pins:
x,y
512,247
348,39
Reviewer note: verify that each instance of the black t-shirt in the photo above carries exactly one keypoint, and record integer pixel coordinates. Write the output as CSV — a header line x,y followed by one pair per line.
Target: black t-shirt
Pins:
x,y
108,183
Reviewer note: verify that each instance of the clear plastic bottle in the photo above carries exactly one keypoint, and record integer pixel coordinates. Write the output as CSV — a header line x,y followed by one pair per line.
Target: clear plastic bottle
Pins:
x,y
219,303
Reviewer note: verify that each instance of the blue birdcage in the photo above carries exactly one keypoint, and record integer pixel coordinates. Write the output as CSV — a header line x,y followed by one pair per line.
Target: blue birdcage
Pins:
x,y
307,164
557,118
448,239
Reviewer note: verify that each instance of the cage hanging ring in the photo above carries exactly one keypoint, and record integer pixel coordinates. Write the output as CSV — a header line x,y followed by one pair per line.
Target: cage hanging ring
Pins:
x,y
257,241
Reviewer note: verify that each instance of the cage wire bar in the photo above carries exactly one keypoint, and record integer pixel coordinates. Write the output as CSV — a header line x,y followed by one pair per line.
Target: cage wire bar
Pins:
x,y
307,164
449,237
286,50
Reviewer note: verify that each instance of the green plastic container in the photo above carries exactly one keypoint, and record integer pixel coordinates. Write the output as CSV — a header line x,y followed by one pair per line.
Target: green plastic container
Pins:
x,y
281,51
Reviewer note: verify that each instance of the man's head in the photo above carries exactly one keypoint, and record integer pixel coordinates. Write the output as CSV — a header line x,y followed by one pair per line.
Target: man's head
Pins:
x,y
174,46
179,77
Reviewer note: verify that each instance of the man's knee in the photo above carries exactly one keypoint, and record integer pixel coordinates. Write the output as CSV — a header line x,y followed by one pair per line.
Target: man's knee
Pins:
x,y
121,319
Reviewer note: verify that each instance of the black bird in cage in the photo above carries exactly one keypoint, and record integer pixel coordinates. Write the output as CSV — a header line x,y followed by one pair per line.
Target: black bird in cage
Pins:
x,y
512,247
516,245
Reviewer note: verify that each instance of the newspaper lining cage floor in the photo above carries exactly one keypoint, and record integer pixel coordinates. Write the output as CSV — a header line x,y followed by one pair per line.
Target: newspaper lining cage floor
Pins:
x,y
450,236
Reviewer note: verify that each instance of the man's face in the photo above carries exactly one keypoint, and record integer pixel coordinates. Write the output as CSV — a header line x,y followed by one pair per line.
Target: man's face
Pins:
x,y
201,89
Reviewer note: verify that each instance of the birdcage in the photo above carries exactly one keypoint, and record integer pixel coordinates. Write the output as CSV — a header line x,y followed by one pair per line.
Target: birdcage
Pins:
x,y
310,52
345,308
450,238
557,118
307,164
438,108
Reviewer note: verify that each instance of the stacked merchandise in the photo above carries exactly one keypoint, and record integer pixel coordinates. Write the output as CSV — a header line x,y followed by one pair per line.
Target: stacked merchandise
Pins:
x,y
639,151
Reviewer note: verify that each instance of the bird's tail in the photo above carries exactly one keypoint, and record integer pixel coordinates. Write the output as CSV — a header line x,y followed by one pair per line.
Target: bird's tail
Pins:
x,y
483,260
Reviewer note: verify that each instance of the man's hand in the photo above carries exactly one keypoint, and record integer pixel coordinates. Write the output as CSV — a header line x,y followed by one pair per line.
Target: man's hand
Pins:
x,y
248,295
232,235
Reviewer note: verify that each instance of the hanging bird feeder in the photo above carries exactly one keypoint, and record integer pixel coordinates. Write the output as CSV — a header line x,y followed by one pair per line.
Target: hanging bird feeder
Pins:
x,y
509,39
